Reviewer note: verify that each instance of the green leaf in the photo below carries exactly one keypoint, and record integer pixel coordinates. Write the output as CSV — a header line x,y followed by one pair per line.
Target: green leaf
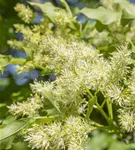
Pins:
x,y
64,3
7,144
20,146
4,61
18,61
29,52
48,95
8,132
46,119
132,23
91,102
47,8
100,27
8,59
105,16
125,21
103,140
100,141
7,121
51,111
118,145
128,9
74,25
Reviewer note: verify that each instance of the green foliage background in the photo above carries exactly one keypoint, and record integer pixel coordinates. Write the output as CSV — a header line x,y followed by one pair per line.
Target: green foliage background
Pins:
x,y
7,18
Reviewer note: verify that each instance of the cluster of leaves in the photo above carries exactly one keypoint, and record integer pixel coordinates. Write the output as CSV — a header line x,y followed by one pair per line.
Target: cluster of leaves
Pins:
x,y
60,114
114,24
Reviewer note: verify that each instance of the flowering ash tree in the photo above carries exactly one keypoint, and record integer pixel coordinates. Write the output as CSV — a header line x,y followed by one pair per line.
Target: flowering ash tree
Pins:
x,y
59,113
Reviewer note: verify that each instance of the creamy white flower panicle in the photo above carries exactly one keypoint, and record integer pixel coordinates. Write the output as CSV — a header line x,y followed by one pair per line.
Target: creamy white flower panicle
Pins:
x,y
73,132
126,120
131,83
26,108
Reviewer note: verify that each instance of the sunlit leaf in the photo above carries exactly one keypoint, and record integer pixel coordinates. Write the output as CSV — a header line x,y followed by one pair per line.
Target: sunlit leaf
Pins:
x,y
47,8
4,61
105,16
8,132
17,61
46,119
8,59
64,3
128,9
48,95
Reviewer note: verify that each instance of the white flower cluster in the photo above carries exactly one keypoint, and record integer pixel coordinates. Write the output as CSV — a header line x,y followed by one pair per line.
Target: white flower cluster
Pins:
x,y
72,133
26,108
126,120
78,67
